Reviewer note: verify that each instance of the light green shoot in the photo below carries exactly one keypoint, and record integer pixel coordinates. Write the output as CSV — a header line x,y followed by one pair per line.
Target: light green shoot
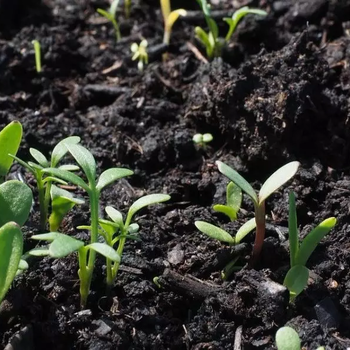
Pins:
x,y
140,54
37,52
202,139
287,339
110,15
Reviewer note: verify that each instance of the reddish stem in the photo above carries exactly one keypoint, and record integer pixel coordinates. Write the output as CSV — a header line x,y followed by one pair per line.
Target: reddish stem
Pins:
x,y
260,232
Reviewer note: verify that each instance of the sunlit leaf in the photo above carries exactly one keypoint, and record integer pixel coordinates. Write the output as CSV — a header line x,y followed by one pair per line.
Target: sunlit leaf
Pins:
x,y
246,228
173,16
67,176
111,175
214,232
105,250
60,149
296,280
224,209
39,157
49,237
40,251
64,245
287,339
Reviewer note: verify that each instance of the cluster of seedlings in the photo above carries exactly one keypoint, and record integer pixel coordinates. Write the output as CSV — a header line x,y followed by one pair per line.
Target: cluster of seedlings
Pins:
x,y
108,236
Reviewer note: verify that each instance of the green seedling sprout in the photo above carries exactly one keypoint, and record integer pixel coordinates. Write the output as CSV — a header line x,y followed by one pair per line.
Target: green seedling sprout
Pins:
x,y
127,8
287,339
110,15
63,245
233,202
169,18
37,52
272,184
202,139
15,197
117,231
62,202
211,40
297,277
11,248
140,54
43,181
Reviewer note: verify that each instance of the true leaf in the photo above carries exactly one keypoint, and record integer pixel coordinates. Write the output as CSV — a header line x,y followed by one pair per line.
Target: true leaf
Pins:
x,y
296,280
238,180
67,176
234,196
60,149
64,245
115,215
277,179
39,157
105,250
311,241
287,339
15,202
214,232
11,247
10,139
245,229
111,175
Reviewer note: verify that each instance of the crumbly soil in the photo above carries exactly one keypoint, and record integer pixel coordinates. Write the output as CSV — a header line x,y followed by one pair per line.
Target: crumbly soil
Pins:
x,y
280,93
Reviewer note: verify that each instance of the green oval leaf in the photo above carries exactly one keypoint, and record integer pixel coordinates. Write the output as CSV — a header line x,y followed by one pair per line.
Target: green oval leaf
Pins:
x,y
287,339
49,237
277,179
67,176
11,248
10,139
105,250
15,202
39,251
311,241
238,180
224,209
296,280
111,175
39,157
115,215
69,167
246,228
234,196
144,202
214,232
60,149
64,245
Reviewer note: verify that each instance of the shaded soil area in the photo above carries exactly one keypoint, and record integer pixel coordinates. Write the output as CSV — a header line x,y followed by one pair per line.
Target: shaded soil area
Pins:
x,y
280,93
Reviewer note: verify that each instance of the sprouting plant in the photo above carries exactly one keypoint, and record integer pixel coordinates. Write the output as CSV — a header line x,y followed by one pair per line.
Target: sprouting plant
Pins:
x,y
62,202
127,8
272,184
110,15
169,17
140,53
233,202
117,231
297,277
37,52
43,181
287,339
202,139
15,197
211,40
11,248
62,245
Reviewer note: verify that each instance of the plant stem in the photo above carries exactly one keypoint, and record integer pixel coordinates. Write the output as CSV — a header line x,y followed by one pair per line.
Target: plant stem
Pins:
x,y
43,209
260,232
120,249
83,276
127,5
117,29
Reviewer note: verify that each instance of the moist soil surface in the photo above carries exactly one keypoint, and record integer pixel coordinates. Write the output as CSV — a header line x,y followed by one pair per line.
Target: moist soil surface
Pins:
x,y
280,93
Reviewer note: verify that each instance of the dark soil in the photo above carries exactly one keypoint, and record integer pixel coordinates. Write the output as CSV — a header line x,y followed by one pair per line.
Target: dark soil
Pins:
x,y
281,93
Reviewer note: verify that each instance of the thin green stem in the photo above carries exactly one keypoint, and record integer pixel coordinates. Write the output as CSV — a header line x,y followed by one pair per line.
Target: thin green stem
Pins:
x,y
127,8
260,231
43,209
120,249
117,29
83,276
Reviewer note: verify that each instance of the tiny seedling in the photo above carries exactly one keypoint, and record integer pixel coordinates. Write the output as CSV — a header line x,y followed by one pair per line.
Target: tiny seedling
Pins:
x,y
140,54
211,40
110,15
43,181
63,245
37,52
287,339
169,17
297,277
202,140
233,202
11,248
118,231
62,202
271,185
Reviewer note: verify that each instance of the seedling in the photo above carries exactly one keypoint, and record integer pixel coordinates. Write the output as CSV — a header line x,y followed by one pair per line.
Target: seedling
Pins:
x,y
233,202
169,17
110,15
15,197
63,245
11,248
300,252
140,54
202,140
43,181
62,202
37,52
272,184
287,339
127,8
211,40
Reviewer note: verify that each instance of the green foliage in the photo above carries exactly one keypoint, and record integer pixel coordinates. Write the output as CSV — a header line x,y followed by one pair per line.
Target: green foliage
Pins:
x,y
287,339
233,202
272,184
110,15
140,54
297,277
37,52
43,181
211,40
202,139
11,247
10,139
